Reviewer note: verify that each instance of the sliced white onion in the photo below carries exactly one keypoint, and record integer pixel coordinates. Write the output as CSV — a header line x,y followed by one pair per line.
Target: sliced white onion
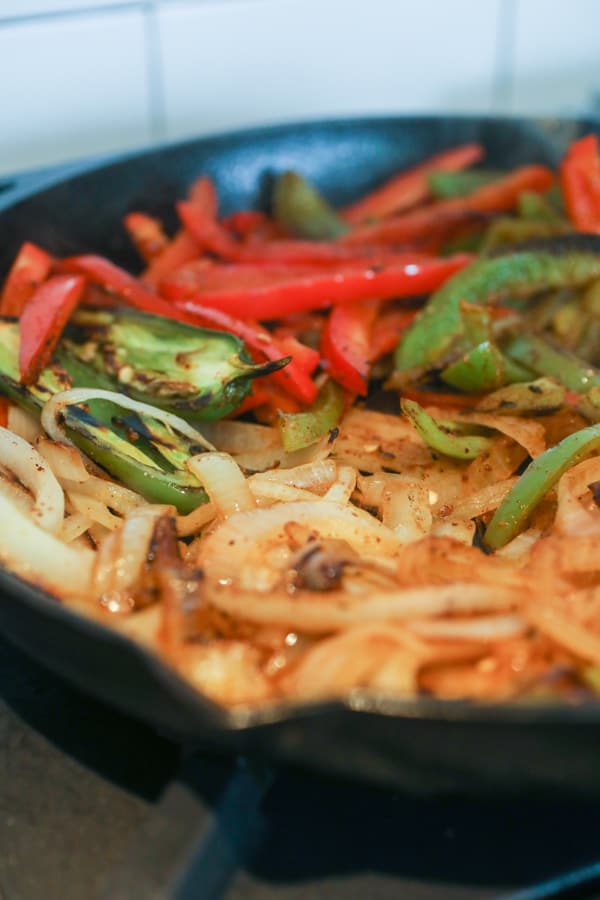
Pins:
x,y
195,520
480,628
240,547
343,488
33,471
121,499
405,509
123,553
52,408
94,510
23,424
64,459
528,433
40,557
572,517
223,481
337,611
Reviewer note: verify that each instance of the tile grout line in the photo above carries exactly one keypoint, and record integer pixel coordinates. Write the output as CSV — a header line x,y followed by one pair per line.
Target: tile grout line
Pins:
x,y
154,72
504,74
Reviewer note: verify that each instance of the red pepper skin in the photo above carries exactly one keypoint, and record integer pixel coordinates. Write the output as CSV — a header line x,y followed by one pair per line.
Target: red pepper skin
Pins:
x,y
203,194
43,321
180,250
246,222
580,182
307,358
208,233
410,187
293,378
440,218
387,331
345,344
147,234
31,267
4,405
103,272
274,294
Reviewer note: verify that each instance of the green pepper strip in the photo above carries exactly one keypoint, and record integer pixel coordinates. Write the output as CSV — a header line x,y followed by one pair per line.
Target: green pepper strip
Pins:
x,y
574,260
299,430
444,185
140,451
303,211
542,358
535,482
533,398
440,437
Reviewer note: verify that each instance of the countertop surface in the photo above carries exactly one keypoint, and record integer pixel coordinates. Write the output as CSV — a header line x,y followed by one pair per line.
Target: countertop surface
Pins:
x,y
96,805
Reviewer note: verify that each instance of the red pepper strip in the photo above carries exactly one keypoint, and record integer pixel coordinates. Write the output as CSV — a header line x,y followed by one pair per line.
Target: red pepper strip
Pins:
x,y
43,320
30,268
409,276
411,186
245,222
147,234
441,217
345,344
293,378
315,252
580,181
307,358
103,272
181,250
4,406
387,331
202,193
208,233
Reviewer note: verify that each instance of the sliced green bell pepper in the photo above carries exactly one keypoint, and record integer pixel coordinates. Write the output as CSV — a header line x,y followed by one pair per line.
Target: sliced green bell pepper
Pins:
x,y
302,429
301,209
540,476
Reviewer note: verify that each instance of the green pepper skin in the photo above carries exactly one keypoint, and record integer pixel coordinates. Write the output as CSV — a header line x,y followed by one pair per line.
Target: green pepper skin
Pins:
x,y
194,372
478,371
301,209
439,435
543,358
302,429
139,451
530,398
447,185
569,261
540,476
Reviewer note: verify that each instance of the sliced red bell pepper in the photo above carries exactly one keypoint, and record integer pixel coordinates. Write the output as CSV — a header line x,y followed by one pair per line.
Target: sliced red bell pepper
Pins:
x,y
208,233
111,277
251,291
345,344
180,250
147,234
307,358
293,378
387,330
4,406
30,268
43,320
411,186
580,182
203,194
246,222
442,217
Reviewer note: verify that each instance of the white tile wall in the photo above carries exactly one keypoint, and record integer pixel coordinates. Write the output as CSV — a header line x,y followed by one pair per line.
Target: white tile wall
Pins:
x,y
238,62
72,87
556,56
80,77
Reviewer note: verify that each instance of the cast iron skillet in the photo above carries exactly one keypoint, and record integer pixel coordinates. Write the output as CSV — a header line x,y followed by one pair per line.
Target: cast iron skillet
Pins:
x,y
420,745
